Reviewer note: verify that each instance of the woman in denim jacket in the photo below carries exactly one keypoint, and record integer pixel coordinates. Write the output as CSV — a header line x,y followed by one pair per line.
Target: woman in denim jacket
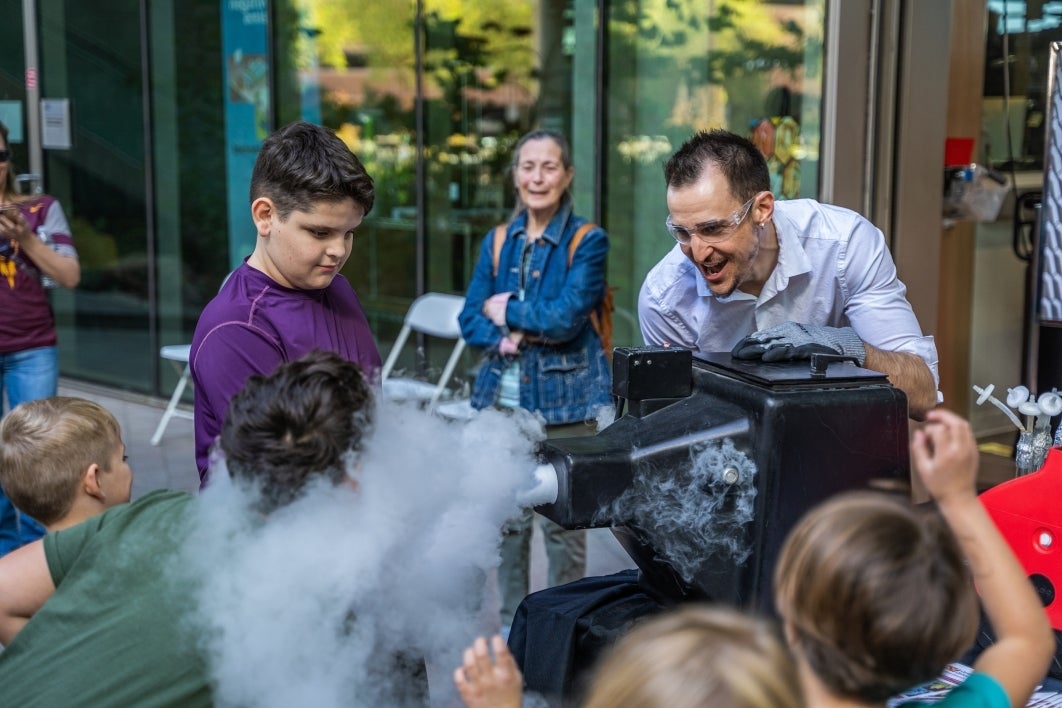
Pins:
x,y
532,320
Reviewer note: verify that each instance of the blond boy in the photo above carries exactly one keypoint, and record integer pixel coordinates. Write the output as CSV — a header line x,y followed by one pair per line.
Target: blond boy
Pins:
x,y
62,460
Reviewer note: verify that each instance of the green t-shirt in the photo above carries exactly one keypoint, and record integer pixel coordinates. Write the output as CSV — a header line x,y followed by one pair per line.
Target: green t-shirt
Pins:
x,y
113,633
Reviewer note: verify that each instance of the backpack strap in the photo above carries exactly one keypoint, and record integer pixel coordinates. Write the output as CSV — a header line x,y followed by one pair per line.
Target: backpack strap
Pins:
x,y
499,241
576,240
601,315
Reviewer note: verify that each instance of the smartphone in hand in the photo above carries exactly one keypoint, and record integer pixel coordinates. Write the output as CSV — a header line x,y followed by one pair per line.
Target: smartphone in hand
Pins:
x,y
6,247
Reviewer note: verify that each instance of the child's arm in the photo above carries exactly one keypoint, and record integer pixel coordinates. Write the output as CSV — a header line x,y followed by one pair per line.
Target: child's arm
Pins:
x,y
25,585
484,683
945,455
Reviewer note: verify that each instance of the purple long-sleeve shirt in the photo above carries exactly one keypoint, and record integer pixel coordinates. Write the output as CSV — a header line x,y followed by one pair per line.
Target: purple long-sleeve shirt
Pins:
x,y
252,326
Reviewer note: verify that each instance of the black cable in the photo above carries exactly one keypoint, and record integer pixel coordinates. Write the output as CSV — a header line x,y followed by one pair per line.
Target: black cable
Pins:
x,y
1022,230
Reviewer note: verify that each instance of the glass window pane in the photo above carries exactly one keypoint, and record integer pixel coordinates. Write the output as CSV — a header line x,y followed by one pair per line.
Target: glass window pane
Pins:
x,y
92,55
189,157
750,66
350,67
488,67
483,66
1017,52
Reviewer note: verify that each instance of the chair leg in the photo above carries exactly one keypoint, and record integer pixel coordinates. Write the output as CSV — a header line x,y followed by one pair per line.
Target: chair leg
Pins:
x,y
448,371
171,407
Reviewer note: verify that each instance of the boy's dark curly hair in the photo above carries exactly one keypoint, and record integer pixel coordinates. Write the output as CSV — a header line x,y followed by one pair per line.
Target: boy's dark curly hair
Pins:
x,y
288,428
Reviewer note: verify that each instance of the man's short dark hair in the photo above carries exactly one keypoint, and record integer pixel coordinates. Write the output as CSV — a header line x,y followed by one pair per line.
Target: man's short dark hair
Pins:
x,y
302,164
296,425
741,163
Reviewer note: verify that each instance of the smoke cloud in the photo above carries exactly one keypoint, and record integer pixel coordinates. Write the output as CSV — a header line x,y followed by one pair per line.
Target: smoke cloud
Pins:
x,y
335,599
691,513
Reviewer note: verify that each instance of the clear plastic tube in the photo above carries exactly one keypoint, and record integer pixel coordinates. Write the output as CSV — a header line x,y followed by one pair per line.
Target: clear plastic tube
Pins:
x,y
999,404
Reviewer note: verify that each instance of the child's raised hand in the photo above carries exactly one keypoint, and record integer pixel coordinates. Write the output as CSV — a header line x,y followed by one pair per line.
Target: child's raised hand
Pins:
x,y
484,682
945,455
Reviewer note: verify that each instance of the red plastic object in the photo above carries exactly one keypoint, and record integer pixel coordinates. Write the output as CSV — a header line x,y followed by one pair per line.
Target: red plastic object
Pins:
x,y
958,151
1027,511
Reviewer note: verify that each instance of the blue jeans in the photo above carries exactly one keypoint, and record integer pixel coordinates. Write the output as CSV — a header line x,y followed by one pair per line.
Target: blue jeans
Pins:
x,y
24,376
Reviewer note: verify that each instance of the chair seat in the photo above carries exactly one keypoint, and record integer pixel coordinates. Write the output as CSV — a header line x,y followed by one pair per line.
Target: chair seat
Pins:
x,y
458,410
401,390
176,352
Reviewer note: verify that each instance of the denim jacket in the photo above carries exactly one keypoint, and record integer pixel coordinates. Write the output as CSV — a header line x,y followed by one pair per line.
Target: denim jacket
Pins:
x,y
564,373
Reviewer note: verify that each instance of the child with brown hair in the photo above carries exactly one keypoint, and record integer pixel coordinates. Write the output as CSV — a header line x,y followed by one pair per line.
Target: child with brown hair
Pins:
x,y
877,596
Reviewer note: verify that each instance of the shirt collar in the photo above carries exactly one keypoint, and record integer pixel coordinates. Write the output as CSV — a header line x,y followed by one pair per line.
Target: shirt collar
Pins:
x,y
556,226
792,259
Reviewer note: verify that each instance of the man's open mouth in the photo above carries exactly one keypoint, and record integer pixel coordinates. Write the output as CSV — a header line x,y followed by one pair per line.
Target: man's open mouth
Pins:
x,y
710,269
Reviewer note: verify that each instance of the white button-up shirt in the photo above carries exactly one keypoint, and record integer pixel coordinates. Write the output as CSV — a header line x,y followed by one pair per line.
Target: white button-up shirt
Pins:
x,y
833,269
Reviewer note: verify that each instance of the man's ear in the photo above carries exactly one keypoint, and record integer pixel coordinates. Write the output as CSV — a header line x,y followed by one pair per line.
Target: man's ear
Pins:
x,y
262,212
90,482
764,209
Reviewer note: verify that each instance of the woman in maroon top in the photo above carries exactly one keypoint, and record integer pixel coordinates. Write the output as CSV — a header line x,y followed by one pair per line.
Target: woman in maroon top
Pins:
x,y
36,253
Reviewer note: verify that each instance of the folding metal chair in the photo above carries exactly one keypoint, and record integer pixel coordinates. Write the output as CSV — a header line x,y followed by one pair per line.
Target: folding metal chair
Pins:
x,y
176,354
433,314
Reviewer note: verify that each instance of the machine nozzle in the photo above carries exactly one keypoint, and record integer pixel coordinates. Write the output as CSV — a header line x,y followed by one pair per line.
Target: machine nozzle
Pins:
x,y
544,488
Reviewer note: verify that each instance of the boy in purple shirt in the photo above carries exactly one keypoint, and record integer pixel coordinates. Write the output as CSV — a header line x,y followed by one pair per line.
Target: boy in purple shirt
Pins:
x,y
308,194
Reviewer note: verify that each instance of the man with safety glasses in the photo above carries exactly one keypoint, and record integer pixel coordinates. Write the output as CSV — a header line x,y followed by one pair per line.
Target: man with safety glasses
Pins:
x,y
777,280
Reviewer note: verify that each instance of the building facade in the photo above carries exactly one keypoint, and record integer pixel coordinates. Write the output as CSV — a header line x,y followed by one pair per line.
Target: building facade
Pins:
x,y
164,103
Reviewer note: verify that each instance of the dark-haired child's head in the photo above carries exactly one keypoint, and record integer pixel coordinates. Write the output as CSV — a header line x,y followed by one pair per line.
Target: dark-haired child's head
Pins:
x,y
301,423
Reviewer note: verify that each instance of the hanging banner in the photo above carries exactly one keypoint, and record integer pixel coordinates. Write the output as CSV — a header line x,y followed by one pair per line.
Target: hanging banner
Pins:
x,y
244,43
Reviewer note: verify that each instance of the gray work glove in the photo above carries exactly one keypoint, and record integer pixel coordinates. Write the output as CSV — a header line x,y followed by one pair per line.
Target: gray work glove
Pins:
x,y
792,340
